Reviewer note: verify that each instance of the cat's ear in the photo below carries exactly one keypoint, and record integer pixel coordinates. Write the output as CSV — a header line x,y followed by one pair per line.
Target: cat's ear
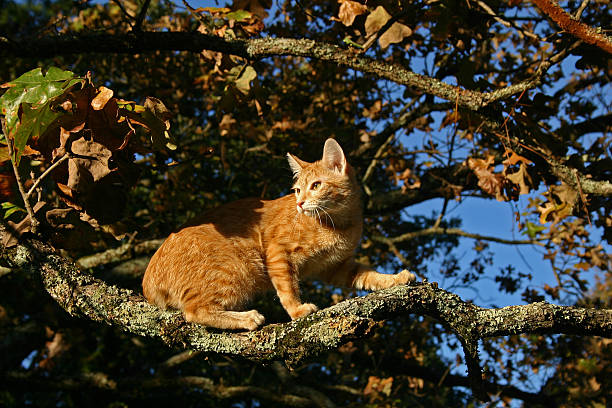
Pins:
x,y
296,164
333,156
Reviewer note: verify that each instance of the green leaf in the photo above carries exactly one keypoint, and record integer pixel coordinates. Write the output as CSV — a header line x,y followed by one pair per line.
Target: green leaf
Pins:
x,y
238,15
37,90
33,121
10,209
532,229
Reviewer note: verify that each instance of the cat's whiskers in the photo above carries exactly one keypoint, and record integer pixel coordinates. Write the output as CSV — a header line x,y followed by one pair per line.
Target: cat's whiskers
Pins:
x,y
316,210
328,216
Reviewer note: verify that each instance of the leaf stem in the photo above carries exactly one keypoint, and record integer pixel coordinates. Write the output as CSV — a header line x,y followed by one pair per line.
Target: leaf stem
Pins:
x,y
33,221
45,174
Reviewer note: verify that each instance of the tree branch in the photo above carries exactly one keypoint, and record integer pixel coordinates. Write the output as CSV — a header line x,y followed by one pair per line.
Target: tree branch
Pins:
x,y
578,180
134,385
143,41
587,34
82,295
454,231
122,253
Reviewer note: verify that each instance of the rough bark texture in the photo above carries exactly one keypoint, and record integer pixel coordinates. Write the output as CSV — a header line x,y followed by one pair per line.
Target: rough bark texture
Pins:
x,y
588,34
82,295
136,42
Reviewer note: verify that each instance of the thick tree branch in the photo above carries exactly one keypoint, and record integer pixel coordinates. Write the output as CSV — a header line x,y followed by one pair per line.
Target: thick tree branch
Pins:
x,y
587,34
135,386
122,253
137,42
82,295
579,181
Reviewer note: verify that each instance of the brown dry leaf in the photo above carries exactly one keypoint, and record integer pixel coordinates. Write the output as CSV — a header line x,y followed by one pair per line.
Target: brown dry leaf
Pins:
x,y
488,181
4,154
545,211
415,383
376,20
101,98
8,187
514,159
348,11
395,34
409,179
88,166
243,83
227,123
64,138
565,194
11,235
378,385
373,111
56,347
520,178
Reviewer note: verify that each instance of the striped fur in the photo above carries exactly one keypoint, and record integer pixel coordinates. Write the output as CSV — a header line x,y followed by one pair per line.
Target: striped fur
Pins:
x,y
213,267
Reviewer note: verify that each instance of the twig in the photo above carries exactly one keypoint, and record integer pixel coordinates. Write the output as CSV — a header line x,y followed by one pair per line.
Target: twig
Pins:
x,y
45,174
506,23
403,119
33,221
582,196
141,16
454,231
583,6
118,3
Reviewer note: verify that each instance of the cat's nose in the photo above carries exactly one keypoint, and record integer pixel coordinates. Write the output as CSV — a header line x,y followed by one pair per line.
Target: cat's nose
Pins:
x,y
300,204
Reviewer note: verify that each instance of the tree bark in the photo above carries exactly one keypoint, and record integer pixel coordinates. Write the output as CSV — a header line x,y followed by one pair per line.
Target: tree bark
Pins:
x,y
82,295
146,41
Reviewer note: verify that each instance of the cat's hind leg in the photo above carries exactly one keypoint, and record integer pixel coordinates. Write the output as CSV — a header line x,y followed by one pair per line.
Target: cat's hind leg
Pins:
x,y
223,319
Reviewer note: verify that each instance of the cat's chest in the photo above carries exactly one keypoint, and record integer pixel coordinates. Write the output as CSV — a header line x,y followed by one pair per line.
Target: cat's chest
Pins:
x,y
310,257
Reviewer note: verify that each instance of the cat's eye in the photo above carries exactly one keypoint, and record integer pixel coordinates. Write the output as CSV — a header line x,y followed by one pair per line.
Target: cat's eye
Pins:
x,y
296,190
315,185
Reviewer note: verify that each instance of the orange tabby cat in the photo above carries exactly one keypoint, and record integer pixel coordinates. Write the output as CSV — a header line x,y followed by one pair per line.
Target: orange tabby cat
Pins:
x,y
211,269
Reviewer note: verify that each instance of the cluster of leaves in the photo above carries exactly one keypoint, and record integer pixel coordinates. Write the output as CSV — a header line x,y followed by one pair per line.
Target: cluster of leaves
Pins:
x,y
85,137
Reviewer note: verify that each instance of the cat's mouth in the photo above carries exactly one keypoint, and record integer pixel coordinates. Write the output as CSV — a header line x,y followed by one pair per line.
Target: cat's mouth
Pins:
x,y
311,212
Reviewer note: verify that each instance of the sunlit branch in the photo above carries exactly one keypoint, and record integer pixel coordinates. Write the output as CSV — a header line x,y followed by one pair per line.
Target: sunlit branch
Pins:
x,y
458,232
82,295
583,6
138,42
586,33
579,181
114,255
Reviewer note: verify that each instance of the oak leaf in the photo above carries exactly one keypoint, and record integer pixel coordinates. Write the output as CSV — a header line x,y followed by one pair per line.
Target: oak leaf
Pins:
x,y
520,178
103,96
376,20
489,181
348,11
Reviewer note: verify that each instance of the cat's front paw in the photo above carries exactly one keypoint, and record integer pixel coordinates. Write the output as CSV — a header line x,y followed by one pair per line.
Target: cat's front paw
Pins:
x,y
253,319
404,277
303,310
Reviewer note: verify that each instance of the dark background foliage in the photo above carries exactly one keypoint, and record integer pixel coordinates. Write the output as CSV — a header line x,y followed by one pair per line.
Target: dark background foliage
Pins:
x,y
234,118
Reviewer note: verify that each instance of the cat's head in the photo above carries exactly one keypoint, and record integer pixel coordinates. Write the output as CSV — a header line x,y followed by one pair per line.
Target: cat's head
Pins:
x,y
325,186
